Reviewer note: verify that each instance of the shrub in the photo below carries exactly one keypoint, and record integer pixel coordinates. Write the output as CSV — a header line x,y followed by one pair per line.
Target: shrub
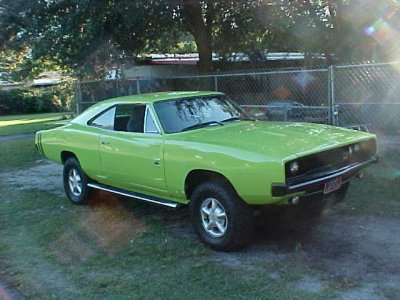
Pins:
x,y
22,101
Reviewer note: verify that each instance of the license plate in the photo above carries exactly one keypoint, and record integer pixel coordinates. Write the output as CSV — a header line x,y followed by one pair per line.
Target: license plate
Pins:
x,y
332,185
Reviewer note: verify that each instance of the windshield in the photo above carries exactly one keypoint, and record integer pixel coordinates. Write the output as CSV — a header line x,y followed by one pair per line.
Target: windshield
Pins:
x,y
191,113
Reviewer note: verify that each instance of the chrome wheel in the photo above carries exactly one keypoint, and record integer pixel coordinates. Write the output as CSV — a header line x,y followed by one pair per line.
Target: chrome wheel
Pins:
x,y
213,217
75,182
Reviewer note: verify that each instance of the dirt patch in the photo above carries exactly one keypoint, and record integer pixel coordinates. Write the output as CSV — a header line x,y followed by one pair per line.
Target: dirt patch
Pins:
x,y
44,176
365,292
358,255
310,284
44,274
69,249
110,223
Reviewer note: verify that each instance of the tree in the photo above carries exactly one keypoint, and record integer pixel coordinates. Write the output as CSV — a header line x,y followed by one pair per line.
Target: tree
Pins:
x,y
344,30
201,29
83,34
94,35
78,34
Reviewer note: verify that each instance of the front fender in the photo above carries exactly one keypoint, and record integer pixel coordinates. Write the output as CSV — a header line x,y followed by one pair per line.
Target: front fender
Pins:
x,y
251,174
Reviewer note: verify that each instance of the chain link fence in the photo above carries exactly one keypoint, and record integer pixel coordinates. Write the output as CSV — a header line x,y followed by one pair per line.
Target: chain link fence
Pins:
x,y
368,94
363,96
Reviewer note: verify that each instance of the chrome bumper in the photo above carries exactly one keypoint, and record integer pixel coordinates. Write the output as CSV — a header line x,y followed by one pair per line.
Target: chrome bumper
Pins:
x,y
316,182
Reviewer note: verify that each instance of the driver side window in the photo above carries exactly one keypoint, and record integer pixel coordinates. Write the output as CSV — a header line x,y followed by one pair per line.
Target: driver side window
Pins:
x,y
130,118
127,117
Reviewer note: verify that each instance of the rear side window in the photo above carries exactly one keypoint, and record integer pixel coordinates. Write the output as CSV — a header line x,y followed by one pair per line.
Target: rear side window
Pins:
x,y
105,120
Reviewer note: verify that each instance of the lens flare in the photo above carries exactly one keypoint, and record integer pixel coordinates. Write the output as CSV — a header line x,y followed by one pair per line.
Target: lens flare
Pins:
x,y
385,33
394,2
380,31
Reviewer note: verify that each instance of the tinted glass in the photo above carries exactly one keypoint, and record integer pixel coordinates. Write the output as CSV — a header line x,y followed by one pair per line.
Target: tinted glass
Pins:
x,y
182,114
130,117
105,120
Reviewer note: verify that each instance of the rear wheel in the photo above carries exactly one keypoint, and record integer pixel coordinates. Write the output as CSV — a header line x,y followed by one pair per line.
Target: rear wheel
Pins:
x,y
75,181
220,218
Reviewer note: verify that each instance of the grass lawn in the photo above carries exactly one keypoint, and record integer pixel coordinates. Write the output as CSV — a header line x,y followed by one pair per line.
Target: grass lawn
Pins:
x,y
377,193
18,154
18,124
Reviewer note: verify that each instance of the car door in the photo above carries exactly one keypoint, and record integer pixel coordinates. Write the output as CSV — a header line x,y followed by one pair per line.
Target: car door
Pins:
x,y
131,154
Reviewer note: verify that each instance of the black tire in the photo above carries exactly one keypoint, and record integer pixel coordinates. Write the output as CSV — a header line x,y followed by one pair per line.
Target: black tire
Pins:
x,y
238,222
72,168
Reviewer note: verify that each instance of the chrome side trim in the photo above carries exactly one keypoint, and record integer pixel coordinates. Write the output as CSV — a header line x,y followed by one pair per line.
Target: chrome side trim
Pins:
x,y
133,195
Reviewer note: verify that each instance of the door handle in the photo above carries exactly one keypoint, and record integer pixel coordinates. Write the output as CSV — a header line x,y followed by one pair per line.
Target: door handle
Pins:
x,y
105,143
157,162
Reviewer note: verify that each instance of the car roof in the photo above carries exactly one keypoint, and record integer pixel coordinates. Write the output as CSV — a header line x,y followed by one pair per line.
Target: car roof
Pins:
x,y
154,97
140,98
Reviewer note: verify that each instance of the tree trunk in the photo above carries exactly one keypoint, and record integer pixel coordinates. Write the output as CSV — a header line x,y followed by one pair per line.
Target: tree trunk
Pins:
x,y
201,34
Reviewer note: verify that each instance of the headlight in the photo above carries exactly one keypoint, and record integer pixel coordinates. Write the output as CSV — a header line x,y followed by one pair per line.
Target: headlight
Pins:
x,y
294,167
356,148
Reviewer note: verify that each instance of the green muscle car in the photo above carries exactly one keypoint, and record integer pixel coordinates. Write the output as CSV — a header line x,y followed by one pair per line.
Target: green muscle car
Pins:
x,y
201,149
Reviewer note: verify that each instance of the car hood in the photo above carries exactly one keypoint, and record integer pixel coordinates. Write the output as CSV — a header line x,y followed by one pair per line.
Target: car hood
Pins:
x,y
280,140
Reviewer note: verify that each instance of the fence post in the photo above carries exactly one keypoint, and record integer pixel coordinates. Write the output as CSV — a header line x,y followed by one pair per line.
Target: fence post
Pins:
x,y
78,96
117,87
331,95
215,83
138,86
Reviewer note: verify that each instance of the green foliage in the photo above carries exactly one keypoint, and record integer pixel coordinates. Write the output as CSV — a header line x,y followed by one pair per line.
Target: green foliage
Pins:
x,y
19,101
87,36
91,37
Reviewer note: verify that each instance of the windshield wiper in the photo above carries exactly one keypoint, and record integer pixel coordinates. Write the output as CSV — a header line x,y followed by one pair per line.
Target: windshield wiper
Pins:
x,y
199,125
237,119
231,119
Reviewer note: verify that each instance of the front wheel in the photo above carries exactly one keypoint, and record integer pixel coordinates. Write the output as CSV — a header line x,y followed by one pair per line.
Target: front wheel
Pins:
x,y
75,181
220,218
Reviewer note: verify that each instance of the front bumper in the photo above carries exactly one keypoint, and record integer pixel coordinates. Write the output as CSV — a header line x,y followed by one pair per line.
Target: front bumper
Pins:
x,y
316,183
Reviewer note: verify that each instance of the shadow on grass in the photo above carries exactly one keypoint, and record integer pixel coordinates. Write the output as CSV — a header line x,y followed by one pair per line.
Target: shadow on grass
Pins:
x,y
284,227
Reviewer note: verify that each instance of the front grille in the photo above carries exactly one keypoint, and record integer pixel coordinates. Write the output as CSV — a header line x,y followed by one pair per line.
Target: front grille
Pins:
x,y
331,160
